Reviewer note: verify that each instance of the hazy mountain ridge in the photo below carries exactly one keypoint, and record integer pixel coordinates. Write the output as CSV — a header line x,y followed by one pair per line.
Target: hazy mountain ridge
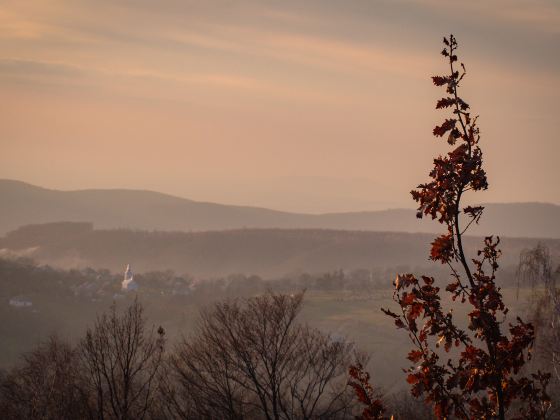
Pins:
x,y
22,204
265,252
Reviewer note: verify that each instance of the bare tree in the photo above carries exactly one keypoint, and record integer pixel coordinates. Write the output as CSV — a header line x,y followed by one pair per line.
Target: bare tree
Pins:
x,y
254,360
122,360
535,267
46,385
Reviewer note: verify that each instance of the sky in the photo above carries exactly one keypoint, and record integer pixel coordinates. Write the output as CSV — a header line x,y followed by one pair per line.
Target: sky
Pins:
x,y
309,106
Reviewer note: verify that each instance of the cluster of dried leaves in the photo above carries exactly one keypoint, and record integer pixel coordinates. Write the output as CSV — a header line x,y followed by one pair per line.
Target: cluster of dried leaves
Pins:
x,y
472,372
373,405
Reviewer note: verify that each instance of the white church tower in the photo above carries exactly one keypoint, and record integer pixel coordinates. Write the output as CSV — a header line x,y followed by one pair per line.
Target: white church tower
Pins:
x,y
128,283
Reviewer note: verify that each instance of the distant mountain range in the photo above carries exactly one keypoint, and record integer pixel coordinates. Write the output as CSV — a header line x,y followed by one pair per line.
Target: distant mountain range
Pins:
x,y
22,204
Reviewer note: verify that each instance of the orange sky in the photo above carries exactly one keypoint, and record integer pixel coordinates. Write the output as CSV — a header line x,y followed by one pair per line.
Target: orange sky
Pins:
x,y
305,106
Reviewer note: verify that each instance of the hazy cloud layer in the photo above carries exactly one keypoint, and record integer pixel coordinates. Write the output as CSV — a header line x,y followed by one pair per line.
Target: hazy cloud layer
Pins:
x,y
268,103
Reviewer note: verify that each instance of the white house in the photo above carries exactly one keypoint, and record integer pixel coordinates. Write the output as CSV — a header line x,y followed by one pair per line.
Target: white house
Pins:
x,y
20,302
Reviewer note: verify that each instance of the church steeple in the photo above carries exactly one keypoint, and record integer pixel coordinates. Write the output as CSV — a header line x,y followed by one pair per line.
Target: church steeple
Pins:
x,y
128,282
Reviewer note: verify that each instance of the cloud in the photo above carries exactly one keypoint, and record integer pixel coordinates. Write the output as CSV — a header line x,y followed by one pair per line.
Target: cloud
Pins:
x,y
14,26
538,15
21,67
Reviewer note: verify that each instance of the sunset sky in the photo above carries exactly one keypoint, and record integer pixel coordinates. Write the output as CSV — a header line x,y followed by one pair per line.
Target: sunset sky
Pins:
x,y
307,106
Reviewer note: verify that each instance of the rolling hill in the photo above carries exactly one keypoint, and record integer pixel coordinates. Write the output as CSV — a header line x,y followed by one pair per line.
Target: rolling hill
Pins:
x,y
22,204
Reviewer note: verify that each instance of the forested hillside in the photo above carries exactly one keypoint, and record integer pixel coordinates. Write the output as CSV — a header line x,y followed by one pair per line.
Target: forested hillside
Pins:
x,y
265,252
